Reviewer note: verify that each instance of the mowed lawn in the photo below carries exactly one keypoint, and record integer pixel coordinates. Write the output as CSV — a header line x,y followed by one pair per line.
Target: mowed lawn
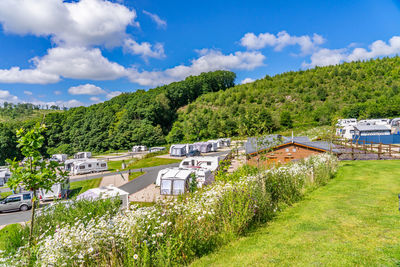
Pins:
x,y
142,163
352,221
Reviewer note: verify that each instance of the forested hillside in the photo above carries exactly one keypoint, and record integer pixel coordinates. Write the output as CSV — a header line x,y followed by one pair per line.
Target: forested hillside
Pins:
x,y
302,98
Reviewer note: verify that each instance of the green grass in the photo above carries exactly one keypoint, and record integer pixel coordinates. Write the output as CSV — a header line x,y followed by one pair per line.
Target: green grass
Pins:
x,y
5,194
142,163
81,186
8,233
352,221
135,175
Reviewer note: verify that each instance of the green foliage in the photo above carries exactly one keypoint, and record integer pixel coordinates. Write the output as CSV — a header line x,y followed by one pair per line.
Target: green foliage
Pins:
x,y
12,237
193,183
317,96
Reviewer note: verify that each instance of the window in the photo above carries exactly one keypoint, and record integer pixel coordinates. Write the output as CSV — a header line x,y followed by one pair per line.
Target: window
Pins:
x,y
82,167
166,187
27,196
294,150
89,165
287,149
103,165
208,163
179,187
185,163
13,199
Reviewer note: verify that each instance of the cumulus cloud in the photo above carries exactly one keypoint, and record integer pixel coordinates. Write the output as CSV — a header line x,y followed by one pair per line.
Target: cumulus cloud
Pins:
x,y
154,17
86,89
83,23
6,96
144,49
325,57
113,94
209,60
247,80
95,99
281,40
31,76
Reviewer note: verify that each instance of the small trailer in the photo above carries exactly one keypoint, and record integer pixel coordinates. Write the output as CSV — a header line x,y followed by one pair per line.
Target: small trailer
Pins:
x,y
209,163
203,147
57,191
76,167
178,150
139,149
83,155
60,158
106,192
156,149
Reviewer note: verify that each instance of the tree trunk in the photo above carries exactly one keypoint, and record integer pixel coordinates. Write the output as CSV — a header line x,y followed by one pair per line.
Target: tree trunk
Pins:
x,y
32,219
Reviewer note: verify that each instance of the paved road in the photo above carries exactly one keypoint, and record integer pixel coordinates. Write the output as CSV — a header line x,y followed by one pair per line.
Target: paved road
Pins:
x,y
131,187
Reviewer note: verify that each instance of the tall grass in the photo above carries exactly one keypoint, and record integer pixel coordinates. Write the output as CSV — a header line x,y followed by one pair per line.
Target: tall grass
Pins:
x,y
176,231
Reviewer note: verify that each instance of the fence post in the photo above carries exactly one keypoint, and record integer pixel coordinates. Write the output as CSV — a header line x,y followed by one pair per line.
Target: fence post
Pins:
x,y
352,151
379,150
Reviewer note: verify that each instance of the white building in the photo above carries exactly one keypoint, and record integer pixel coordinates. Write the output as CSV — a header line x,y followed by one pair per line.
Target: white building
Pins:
x,y
104,193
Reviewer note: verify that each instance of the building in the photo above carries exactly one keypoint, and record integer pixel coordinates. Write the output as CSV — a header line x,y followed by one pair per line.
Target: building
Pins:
x,y
288,149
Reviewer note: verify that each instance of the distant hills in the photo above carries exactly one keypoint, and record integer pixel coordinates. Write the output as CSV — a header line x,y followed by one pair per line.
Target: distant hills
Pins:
x,y
317,96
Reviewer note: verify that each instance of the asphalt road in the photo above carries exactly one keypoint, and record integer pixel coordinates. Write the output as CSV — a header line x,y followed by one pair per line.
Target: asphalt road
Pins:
x,y
131,187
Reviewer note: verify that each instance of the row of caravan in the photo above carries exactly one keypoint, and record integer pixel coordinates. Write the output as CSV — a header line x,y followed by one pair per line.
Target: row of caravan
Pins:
x,y
181,150
176,181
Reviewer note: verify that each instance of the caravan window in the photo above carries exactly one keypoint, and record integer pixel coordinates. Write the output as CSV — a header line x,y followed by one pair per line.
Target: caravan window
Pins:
x,y
89,165
103,165
166,187
185,163
82,167
179,187
208,163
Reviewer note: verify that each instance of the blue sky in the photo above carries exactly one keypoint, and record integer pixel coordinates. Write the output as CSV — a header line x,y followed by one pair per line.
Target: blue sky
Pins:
x,y
73,53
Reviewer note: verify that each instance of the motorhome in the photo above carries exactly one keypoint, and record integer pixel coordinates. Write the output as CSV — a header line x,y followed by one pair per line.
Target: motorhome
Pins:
x,y
60,158
139,149
83,155
5,174
209,163
57,191
76,167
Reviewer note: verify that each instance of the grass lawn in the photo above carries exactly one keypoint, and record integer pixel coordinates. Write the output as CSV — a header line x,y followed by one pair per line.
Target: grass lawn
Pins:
x,y
81,186
8,233
352,221
142,163
135,175
5,194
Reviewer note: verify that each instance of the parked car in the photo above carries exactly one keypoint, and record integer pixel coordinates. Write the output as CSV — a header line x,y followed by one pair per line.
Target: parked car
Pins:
x,y
21,201
193,153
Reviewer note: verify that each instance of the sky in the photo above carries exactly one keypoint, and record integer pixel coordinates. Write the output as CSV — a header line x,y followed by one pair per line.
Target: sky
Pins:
x,y
82,52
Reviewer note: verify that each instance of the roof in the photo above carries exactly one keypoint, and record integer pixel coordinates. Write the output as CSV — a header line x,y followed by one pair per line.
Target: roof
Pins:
x,y
105,192
178,146
176,173
367,128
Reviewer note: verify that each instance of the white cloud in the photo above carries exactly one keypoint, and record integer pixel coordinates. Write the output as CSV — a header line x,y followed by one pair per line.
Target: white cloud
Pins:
x,y
86,89
154,17
144,49
247,80
6,96
95,99
281,40
28,93
57,92
31,76
209,60
325,57
113,94
87,22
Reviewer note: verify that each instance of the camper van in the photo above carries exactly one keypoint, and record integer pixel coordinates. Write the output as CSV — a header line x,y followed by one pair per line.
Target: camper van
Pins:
x,y
83,155
57,191
76,167
209,163
5,174
60,158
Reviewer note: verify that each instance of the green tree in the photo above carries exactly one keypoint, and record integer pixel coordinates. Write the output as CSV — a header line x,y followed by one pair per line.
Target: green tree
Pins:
x,y
35,173
286,119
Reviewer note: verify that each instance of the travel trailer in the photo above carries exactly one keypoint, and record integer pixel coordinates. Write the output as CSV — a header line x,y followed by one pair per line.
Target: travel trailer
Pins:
x,y
76,167
5,174
374,122
219,142
226,142
203,176
346,122
209,163
83,155
156,149
60,158
178,150
139,148
57,191
214,145
104,193
174,181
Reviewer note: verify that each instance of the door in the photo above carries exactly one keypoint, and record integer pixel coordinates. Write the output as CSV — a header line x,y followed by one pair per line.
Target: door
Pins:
x,y
13,202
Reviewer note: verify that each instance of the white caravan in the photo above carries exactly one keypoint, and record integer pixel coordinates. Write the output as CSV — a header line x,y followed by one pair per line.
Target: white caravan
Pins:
x,y
5,174
346,132
60,158
375,122
83,155
76,167
209,163
174,181
57,191
346,122
139,148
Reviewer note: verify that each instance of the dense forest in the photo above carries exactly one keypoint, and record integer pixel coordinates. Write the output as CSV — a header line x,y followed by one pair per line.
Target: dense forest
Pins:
x,y
317,96
211,106
142,117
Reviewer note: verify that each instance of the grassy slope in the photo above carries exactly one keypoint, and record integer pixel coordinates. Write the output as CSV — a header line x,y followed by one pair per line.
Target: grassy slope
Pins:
x,y
135,175
6,233
354,220
143,163
82,186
